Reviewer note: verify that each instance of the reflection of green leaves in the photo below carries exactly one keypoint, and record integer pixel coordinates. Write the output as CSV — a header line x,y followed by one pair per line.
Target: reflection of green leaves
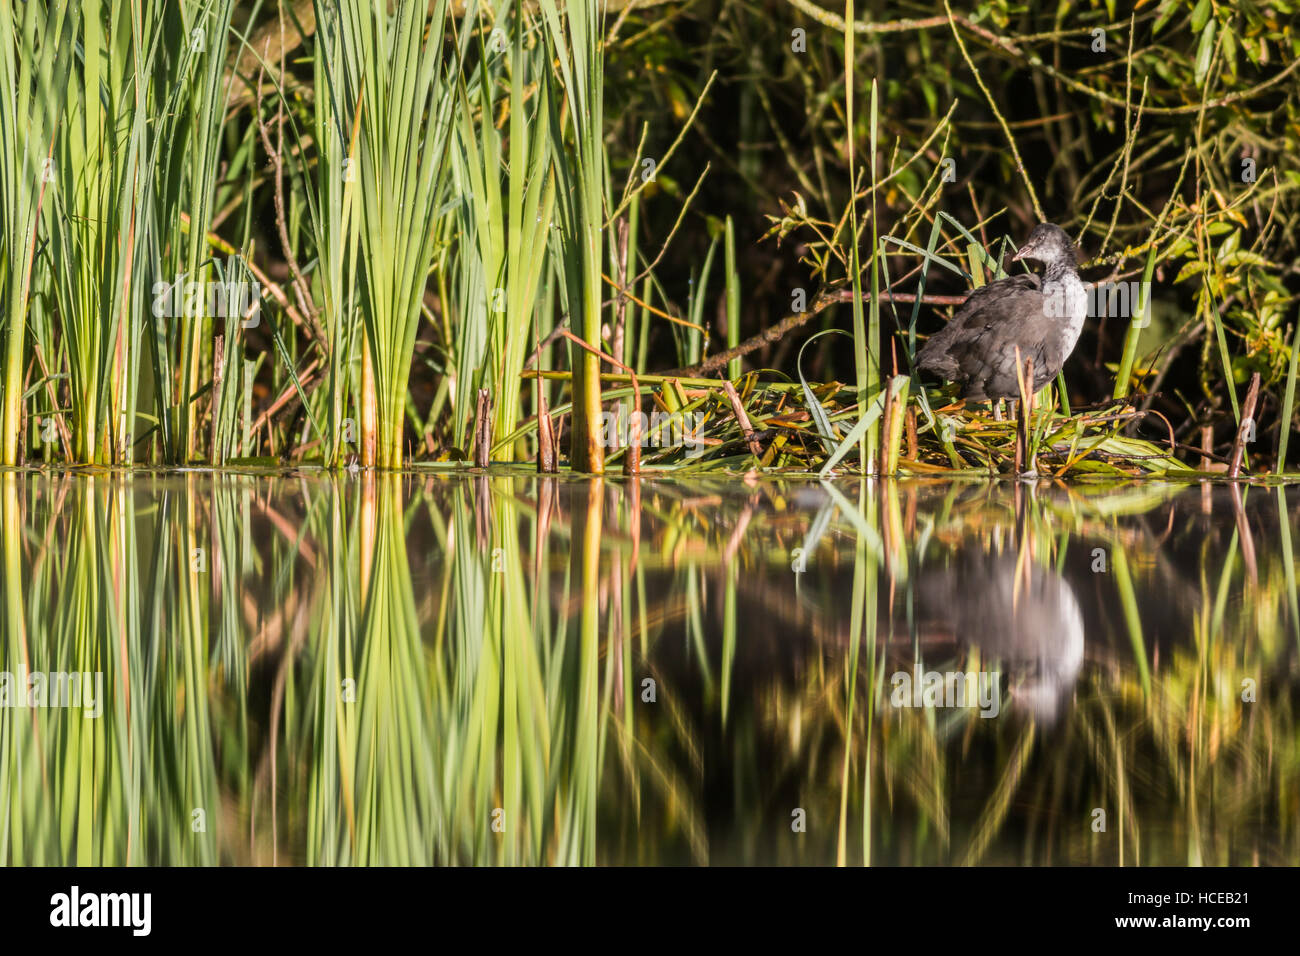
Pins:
x,y
999,803
869,535
479,689
1132,618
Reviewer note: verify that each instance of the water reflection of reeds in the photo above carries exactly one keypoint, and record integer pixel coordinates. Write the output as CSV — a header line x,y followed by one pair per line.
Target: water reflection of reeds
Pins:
x,y
413,670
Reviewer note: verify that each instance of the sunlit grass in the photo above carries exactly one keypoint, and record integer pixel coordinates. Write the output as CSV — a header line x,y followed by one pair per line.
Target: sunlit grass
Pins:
x,y
396,77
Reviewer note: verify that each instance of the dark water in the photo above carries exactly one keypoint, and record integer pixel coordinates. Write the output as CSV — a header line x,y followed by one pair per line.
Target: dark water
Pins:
x,y
429,669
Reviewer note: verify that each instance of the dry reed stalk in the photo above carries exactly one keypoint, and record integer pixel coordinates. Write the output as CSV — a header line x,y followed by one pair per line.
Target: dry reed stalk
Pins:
x,y
738,410
1245,428
483,429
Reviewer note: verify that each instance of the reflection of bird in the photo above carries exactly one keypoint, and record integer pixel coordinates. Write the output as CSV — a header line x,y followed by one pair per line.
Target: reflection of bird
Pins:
x,y
1040,317
1034,629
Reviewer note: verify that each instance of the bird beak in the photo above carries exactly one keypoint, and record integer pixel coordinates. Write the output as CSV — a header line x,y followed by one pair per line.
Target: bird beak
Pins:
x,y
1023,253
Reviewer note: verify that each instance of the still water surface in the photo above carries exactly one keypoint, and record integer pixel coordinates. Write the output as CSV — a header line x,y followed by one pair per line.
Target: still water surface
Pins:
x,y
423,669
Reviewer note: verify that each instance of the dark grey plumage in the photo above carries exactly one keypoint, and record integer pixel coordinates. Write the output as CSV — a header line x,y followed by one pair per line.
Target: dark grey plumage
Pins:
x,y
1027,619
1042,316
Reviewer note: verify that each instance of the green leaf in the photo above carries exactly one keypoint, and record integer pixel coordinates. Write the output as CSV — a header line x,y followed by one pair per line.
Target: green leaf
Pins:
x,y
931,256
1204,51
815,409
855,435
1201,15
1167,10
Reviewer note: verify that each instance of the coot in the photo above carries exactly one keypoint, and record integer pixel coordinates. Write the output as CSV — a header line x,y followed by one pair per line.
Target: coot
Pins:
x,y
1043,316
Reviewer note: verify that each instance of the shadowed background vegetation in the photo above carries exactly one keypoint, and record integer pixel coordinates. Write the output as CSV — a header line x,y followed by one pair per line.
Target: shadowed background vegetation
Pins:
x,y
440,198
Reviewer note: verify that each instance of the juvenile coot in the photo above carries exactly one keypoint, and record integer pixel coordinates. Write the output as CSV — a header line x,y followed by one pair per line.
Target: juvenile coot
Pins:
x,y
1043,316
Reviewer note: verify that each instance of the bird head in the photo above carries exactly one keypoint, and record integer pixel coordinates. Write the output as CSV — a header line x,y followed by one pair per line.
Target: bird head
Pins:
x,y
1047,244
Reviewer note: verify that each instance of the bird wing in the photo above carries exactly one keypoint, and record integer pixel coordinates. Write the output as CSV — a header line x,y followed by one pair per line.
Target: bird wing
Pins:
x,y
1008,325
997,291
983,312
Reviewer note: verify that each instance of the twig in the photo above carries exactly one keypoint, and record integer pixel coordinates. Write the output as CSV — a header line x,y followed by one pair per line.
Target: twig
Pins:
x,y
775,333
835,22
766,337
551,338
629,192
738,410
620,307
676,225
846,295
1247,426
1025,465
218,375
547,462
277,293
301,288
631,460
483,429
625,292
305,378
